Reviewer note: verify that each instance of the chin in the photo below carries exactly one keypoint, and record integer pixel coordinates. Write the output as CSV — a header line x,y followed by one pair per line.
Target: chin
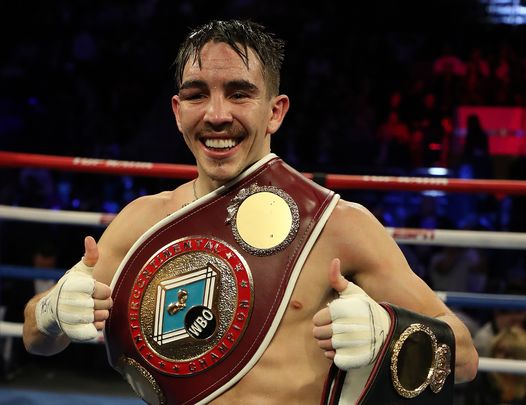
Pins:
x,y
223,173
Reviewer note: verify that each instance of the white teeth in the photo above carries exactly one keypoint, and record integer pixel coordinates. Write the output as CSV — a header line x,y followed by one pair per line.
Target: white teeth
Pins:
x,y
220,143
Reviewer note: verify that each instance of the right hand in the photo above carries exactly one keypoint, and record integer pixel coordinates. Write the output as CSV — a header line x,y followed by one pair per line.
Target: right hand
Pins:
x,y
77,305
353,327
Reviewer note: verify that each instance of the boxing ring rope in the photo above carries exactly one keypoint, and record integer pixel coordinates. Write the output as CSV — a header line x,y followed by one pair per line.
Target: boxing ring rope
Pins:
x,y
53,216
441,237
90,165
489,364
14,329
333,181
415,236
451,298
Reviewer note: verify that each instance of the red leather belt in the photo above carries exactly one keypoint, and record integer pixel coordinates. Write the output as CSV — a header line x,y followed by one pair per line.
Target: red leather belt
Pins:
x,y
199,296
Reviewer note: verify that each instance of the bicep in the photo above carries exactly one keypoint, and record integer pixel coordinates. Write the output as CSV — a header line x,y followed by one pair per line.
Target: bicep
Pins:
x,y
110,257
123,232
113,247
379,266
404,288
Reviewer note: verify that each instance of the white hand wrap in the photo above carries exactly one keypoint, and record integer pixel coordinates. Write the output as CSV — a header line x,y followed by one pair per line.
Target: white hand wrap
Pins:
x,y
359,326
69,306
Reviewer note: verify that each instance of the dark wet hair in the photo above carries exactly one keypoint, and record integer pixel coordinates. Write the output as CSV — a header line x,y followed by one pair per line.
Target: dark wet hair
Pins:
x,y
239,35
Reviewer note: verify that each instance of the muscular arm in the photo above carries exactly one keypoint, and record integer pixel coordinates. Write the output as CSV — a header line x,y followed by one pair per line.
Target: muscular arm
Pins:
x,y
105,257
373,259
466,361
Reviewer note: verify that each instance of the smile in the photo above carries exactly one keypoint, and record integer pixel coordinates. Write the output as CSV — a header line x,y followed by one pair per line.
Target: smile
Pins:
x,y
221,143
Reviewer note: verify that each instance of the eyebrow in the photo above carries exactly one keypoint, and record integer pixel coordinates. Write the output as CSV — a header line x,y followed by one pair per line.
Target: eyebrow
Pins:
x,y
192,84
242,85
231,85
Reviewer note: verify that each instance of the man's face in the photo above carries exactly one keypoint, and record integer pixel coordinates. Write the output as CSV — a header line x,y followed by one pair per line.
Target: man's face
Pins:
x,y
224,112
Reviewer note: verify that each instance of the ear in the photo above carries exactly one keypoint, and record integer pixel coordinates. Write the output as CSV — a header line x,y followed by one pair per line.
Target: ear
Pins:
x,y
176,104
279,110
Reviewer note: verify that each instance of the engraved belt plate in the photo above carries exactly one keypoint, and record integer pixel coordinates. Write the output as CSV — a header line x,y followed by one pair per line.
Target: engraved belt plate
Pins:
x,y
190,305
264,219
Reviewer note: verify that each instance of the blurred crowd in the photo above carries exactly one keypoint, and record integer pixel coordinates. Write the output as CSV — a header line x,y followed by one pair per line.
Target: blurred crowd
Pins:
x,y
80,80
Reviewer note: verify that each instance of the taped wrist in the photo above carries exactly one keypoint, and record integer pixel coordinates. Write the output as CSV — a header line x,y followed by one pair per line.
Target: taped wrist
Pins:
x,y
45,315
359,326
69,306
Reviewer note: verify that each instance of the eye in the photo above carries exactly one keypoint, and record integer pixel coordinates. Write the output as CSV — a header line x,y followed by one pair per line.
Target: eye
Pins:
x,y
238,95
192,96
195,97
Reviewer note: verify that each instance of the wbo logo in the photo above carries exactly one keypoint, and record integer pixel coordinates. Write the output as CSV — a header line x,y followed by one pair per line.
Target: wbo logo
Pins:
x,y
183,307
190,304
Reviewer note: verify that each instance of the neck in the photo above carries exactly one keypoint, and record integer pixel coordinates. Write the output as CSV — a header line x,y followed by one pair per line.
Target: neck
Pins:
x,y
203,185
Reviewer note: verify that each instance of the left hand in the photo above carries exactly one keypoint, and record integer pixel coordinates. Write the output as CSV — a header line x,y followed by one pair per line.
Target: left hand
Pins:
x,y
77,305
352,329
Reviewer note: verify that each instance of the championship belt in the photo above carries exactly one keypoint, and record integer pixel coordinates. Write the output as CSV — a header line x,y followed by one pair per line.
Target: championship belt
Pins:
x,y
199,296
414,366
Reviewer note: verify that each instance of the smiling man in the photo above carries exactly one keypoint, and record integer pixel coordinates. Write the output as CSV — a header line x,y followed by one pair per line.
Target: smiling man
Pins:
x,y
220,287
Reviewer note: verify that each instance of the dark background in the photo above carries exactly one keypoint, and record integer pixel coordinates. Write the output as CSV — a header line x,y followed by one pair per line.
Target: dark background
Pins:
x,y
94,79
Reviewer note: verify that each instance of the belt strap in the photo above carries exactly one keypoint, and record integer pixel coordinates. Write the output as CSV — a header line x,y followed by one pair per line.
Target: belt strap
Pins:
x,y
200,295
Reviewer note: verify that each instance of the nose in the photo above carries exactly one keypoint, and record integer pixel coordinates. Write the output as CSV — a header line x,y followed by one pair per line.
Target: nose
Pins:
x,y
218,111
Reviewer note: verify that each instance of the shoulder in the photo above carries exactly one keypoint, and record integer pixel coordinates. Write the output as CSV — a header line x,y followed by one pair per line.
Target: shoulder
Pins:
x,y
347,229
147,210
133,220
352,220
163,200
158,205
361,241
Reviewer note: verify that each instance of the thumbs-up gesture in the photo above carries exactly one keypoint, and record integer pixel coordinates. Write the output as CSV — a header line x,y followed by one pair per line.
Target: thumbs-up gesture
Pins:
x,y
353,327
77,305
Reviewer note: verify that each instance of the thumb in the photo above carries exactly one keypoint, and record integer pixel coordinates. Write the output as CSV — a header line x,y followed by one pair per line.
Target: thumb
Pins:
x,y
352,289
336,280
91,252
343,286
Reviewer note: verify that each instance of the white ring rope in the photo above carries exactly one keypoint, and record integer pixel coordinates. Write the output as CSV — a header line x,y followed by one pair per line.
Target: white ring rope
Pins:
x,y
486,364
502,365
414,236
14,329
52,216
10,329
447,237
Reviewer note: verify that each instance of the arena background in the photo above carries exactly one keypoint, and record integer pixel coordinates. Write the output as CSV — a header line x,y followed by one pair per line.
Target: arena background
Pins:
x,y
94,79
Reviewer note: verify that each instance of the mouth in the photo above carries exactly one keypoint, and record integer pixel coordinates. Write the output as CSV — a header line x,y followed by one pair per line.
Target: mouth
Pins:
x,y
221,144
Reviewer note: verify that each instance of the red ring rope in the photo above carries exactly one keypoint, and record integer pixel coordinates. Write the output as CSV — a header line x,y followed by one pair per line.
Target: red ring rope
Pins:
x,y
334,181
80,164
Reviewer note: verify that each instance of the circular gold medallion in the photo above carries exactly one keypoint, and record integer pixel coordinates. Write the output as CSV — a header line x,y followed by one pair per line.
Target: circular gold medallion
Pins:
x,y
264,219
